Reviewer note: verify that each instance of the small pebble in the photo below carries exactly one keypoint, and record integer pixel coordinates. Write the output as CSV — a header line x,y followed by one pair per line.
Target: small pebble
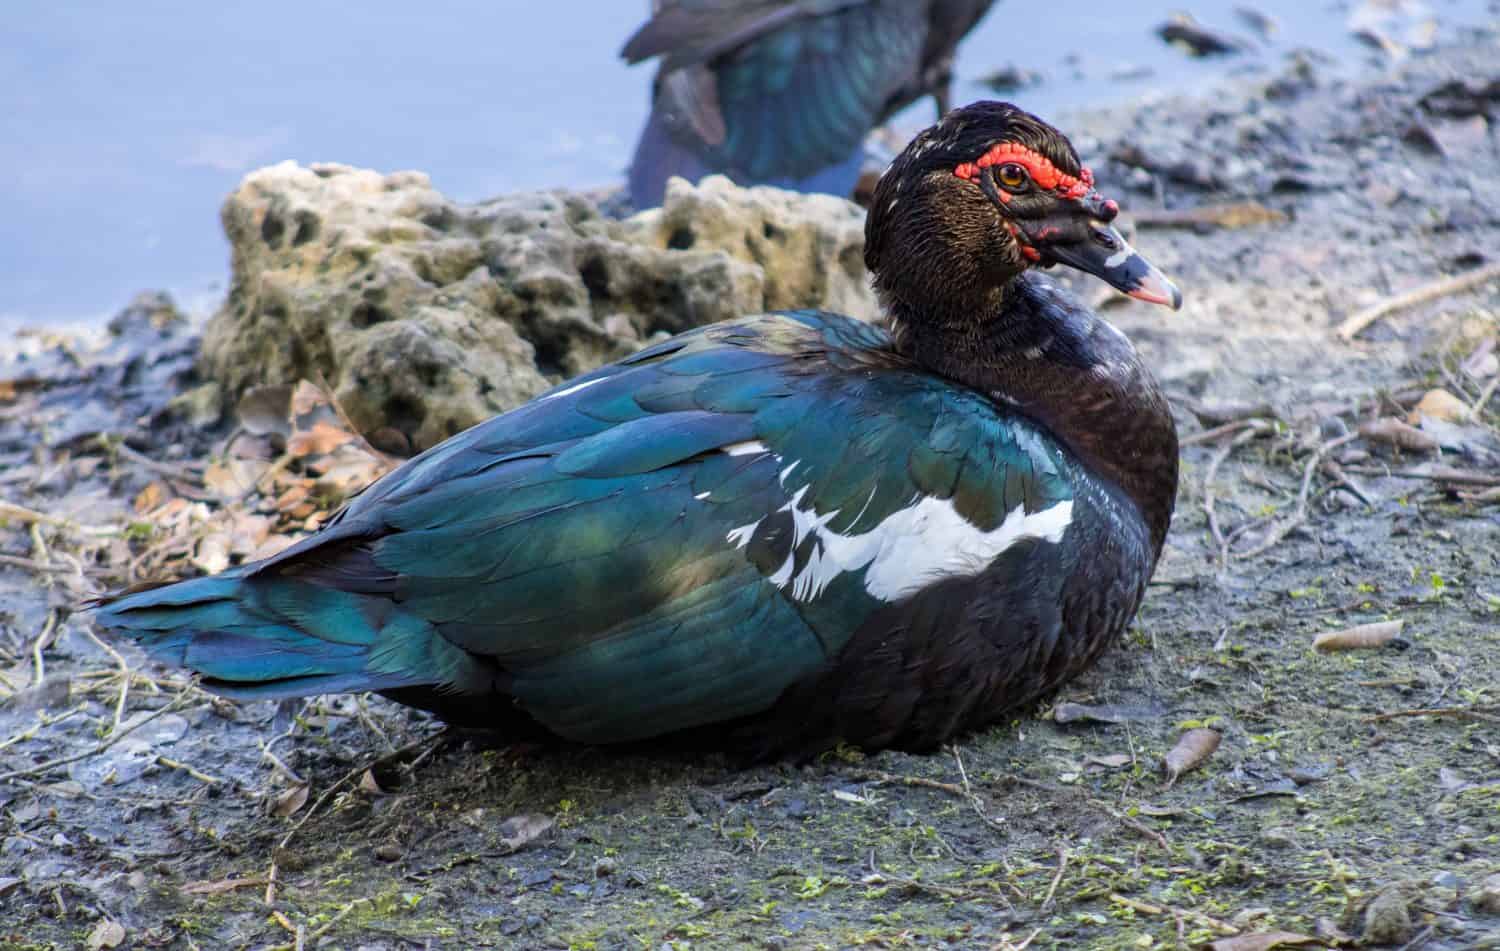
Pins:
x,y
388,852
1277,837
1487,899
1387,920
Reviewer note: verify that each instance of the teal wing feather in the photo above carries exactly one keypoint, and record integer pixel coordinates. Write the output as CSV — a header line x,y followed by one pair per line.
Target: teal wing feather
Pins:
x,y
803,97
795,86
651,547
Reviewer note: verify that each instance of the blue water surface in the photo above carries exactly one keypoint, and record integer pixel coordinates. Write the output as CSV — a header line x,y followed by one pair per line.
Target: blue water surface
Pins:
x,y
124,124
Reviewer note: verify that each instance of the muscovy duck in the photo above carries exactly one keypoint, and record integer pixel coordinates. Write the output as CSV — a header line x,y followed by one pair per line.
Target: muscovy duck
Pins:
x,y
782,92
768,534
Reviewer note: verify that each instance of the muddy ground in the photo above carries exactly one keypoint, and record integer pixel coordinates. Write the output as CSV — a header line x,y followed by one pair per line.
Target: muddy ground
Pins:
x,y
1355,796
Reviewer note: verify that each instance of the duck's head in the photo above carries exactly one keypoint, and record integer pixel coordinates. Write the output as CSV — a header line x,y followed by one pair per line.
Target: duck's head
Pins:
x,y
975,200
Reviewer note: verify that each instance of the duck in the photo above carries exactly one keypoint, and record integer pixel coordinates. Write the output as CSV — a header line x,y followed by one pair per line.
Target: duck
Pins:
x,y
765,536
783,92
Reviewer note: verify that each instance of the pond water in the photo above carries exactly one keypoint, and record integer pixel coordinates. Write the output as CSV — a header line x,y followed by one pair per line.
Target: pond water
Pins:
x,y
123,125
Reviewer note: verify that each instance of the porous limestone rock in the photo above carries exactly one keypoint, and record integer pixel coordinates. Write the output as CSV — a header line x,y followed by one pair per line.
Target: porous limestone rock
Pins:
x,y
428,316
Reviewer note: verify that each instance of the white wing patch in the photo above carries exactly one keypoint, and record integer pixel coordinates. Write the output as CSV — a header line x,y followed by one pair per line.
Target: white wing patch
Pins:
x,y
907,551
572,389
748,448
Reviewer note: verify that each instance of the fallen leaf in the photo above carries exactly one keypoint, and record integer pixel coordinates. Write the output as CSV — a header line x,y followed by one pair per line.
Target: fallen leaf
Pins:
x,y
1113,761
106,934
322,439
1109,713
212,552
168,512
517,832
292,497
273,545
1207,217
1267,941
247,533
1438,404
290,801
151,497
221,886
1394,432
368,783
1191,750
1360,637
233,477
309,405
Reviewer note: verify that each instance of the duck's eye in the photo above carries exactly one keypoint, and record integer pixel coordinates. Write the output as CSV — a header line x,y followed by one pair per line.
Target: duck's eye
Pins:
x,y
1012,176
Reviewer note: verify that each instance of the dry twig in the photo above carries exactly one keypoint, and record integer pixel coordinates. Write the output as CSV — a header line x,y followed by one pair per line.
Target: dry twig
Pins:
x,y
1299,517
1222,927
51,764
1486,714
1062,866
1445,287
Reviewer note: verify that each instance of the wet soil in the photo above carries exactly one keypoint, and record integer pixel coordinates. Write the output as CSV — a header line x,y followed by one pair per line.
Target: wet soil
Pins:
x,y
1354,796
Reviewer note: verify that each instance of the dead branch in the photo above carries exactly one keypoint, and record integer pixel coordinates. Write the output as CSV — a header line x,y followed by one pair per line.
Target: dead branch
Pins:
x,y
1447,287
114,738
1299,517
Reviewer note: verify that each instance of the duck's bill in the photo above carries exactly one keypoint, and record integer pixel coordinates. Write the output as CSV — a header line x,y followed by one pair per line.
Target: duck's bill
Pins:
x,y
1109,257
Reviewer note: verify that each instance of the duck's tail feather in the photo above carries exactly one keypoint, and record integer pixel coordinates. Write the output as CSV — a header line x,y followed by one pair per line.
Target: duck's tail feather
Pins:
x,y
250,638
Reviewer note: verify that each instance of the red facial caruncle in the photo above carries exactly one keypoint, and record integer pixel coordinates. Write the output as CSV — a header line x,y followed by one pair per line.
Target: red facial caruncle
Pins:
x,y
1046,175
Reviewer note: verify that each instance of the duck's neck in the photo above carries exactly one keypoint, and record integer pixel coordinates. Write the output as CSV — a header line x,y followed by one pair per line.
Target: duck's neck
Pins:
x,y
1041,353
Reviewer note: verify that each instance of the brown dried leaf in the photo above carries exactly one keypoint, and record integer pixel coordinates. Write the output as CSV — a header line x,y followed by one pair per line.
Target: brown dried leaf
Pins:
x,y
1267,941
309,402
221,886
1438,404
1191,750
266,409
368,783
233,477
293,497
289,801
212,552
1206,217
1359,637
1112,761
170,512
151,497
106,934
350,472
517,832
1394,432
247,533
273,545
322,439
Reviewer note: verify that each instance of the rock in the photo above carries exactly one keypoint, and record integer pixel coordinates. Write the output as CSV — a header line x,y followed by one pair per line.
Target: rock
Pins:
x,y
1487,896
1196,39
1463,98
389,852
1010,78
202,406
427,316
1387,920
